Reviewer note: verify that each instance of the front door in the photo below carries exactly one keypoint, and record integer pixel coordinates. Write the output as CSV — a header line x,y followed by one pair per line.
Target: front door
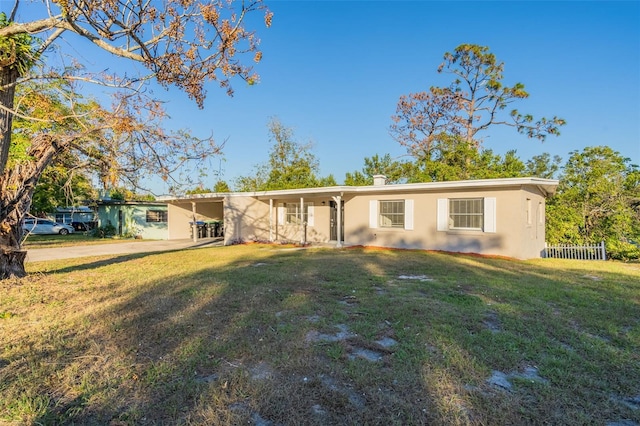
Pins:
x,y
333,234
120,220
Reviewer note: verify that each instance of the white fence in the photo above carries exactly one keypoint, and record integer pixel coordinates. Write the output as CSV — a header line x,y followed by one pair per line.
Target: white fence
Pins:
x,y
570,251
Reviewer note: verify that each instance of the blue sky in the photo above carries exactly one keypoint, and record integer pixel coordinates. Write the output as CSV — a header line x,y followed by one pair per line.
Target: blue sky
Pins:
x,y
333,71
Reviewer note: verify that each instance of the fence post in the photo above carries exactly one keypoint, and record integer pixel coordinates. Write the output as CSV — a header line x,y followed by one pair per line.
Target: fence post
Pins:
x,y
603,250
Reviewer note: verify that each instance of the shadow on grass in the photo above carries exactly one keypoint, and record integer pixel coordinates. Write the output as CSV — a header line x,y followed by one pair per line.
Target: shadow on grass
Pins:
x,y
93,262
229,342
88,264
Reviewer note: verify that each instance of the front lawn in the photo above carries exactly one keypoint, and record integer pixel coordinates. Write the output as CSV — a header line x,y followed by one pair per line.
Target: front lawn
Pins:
x,y
75,239
259,334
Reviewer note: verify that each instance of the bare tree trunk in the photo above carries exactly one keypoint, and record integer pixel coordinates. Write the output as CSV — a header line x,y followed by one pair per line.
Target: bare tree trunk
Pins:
x,y
16,191
8,78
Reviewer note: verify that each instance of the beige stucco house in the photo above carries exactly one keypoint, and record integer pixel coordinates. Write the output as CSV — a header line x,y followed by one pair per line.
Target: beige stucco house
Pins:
x,y
503,217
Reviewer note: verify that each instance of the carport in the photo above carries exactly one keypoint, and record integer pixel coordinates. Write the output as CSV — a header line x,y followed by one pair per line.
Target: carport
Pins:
x,y
196,217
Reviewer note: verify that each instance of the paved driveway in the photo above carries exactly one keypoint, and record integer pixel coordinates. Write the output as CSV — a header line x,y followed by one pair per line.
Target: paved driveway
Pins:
x,y
36,255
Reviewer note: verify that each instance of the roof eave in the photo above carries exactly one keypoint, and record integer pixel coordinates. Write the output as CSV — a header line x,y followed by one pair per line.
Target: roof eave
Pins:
x,y
546,186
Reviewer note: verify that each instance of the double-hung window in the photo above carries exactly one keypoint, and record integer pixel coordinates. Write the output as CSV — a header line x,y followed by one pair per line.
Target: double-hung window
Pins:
x,y
391,214
292,213
397,214
467,214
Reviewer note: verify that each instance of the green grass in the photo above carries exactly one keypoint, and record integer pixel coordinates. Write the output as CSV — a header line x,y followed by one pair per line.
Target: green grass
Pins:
x,y
257,333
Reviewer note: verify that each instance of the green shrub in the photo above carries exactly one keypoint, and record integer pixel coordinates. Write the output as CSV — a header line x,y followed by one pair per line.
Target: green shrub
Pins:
x,y
104,231
622,250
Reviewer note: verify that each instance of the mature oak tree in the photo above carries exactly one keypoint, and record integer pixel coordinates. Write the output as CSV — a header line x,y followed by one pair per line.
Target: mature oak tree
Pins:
x,y
476,100
184,43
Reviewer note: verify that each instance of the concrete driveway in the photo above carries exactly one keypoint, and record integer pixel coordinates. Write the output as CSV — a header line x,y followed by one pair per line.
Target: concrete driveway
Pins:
x,y
37,255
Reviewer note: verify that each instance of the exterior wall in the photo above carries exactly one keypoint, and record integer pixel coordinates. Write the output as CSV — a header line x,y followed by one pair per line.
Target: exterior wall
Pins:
x,y
210,211
321,231
108,215
533,220
134,220
181,214
513,236
513,218
316,230
135,223
245,219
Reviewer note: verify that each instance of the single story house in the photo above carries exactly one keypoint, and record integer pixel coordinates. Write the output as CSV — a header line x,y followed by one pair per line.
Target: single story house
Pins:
x,y
76,214
504,217
140,219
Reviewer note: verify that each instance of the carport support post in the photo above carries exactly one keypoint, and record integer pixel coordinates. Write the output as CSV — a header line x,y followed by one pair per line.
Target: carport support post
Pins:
x,y
339,220
270,220
194,224
303,237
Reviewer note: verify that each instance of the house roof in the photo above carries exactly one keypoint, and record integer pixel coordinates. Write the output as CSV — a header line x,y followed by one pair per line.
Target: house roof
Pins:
x,y
74,209
546,187
113,202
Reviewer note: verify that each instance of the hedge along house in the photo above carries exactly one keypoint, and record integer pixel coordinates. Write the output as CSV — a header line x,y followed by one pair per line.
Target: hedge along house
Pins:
x,y
503,217
139,219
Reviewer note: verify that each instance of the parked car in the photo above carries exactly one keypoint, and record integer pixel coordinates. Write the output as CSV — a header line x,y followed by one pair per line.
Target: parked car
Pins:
x,y
45,226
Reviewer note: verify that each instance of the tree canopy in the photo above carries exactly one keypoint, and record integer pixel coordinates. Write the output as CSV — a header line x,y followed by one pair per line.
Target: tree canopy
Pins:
x,y
182,43
393,170
476,100
453,160
62,184
291,164
598,199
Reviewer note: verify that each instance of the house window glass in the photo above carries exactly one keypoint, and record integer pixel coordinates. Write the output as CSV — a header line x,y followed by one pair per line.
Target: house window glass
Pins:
x,y
157,216
63,218
391,214
293,213
466,213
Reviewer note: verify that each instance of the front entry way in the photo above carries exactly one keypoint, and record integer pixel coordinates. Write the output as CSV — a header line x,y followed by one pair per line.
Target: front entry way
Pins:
x,y
333,232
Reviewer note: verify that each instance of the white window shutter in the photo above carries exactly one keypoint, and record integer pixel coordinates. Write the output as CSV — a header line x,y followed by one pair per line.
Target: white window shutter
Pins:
x,y
373,213
443,215
310,214
281,213
490,214
408,214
